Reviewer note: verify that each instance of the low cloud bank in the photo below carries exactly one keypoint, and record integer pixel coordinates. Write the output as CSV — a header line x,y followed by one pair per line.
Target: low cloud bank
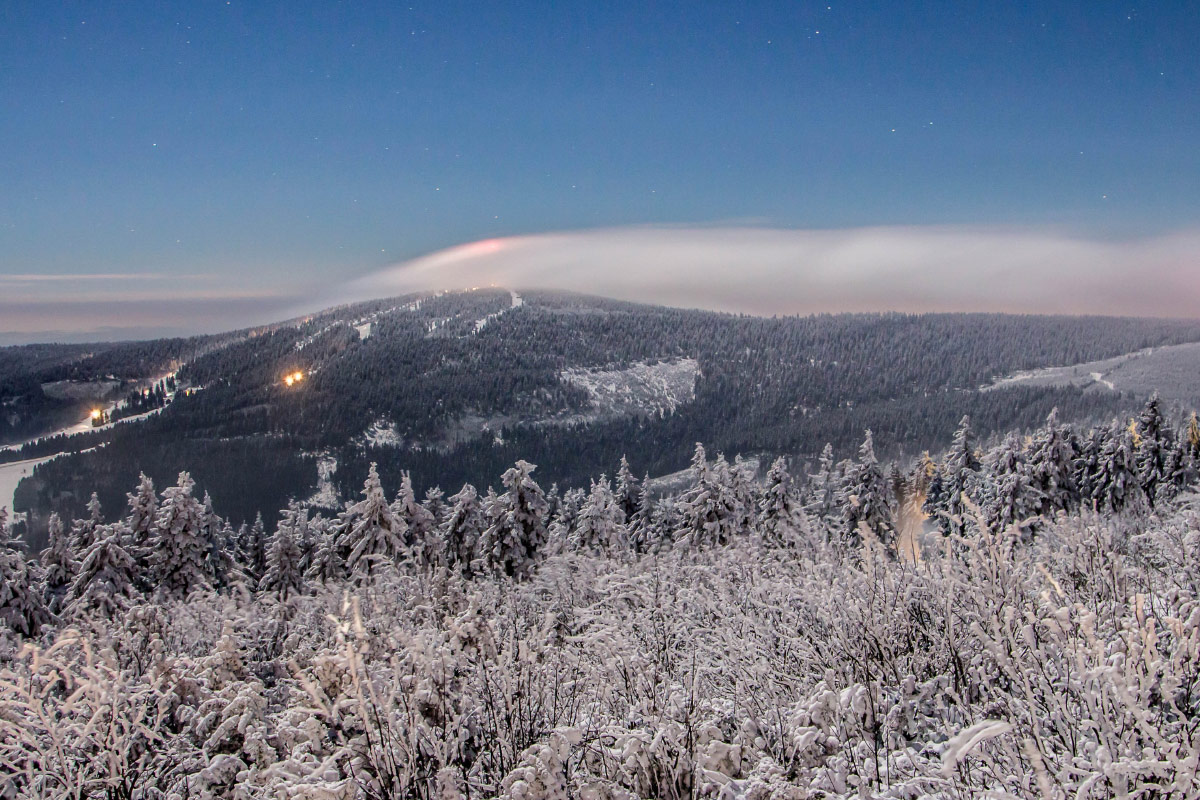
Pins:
x,y
768,271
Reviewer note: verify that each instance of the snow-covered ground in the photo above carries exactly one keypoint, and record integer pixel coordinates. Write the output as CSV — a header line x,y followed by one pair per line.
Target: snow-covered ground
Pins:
x,y
516,302
364,330
1173,371
639,389
12,474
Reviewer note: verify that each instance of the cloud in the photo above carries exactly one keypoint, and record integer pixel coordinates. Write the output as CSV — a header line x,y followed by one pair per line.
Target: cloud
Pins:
x,y
774,271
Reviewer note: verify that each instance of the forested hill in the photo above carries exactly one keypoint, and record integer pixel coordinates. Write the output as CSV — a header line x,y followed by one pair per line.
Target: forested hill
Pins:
x,y
454,387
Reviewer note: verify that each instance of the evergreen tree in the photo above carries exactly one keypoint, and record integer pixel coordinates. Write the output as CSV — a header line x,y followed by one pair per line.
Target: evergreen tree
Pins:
x,y
1014,495
1116,482
600,525
781,519
252,545
435,504
1153,446
21,606
83,531
824,490
370,536
628,491
462,530
417,522
58,564
105,581
959,481
1051,466
516,531
643,536
139,526
1087,464
867,498
708,513
219,563
284,576
178,563
326,564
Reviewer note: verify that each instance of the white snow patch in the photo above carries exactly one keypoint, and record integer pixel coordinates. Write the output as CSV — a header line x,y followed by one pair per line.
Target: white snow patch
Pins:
x,y
383,433
640,388
326,495
12,474
515,302
364,330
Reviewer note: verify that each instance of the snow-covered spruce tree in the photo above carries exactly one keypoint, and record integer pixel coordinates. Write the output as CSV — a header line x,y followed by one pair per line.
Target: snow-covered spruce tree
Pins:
x,y
867,499
58,564
959,481
369,535
823,490
417,522
105,583
600,524
742,477
643,536
220,563
284,576
781,519
461,531
1191,447
1153,443
1051,462
1116,483
178,562
435,504
628,490
252,550
516,531
708,513
1013,495
21,606
83,531
1087,464
139,526
325,564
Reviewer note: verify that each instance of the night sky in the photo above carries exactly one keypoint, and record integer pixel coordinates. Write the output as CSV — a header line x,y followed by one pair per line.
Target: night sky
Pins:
x,y
218,160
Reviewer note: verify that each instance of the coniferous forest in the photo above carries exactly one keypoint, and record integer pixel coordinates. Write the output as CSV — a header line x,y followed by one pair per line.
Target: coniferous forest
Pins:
x,y
1016,619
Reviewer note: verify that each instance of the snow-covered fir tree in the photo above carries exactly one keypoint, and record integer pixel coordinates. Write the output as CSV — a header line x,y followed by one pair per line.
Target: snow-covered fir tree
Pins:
x,y
418,523
461,531
220,562
959,479
252,549
83,531
325,564
139,526
284,575
708,513
781,518
1116,482
600,525
867,498
58,563
1153,443
642,534
370,535
22,608
435,503
516,532
179,558
1051,466
1014,495
105,583
628,490
824,488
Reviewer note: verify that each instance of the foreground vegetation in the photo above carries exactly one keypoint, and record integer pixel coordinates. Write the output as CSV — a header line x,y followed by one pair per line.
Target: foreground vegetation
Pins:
x,y
736,640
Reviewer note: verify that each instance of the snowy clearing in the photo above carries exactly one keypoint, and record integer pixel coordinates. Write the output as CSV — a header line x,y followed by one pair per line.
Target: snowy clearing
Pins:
x,y
639,389
1174,372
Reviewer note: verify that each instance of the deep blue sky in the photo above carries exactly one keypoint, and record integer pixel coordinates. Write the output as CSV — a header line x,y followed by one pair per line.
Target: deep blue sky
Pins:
x,y
269,140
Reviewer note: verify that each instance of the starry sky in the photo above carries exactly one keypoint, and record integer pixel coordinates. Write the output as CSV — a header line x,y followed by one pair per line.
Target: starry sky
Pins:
x,y
186,166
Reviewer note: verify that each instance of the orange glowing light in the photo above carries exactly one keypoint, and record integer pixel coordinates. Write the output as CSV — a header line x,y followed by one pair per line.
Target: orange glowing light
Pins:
x,y
95,413
293,378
